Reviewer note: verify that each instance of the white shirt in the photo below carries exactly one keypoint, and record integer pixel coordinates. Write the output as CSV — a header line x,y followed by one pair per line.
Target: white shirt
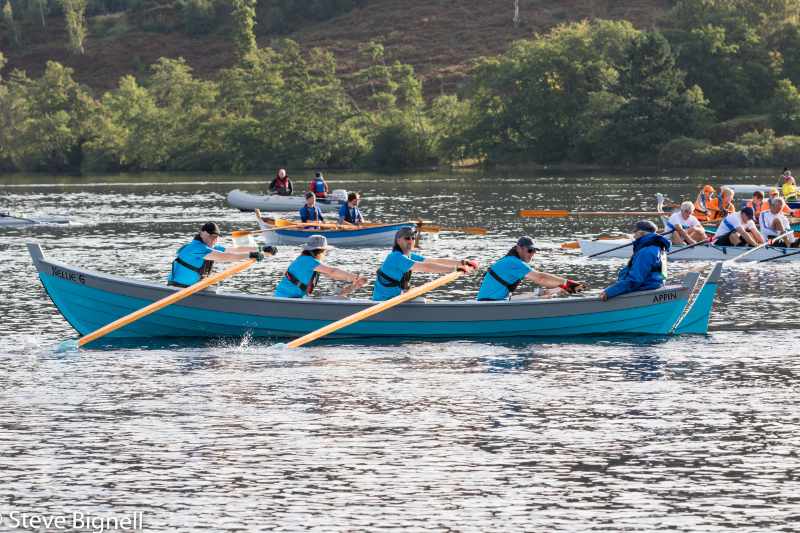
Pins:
x,y
676,219
731,223
765,220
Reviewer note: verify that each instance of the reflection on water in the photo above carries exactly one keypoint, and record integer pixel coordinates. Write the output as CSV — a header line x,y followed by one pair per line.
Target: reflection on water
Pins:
x,y
568,434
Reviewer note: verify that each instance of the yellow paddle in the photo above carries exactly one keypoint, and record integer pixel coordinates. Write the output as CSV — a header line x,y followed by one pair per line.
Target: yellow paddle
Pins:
x,y
375,309
74,344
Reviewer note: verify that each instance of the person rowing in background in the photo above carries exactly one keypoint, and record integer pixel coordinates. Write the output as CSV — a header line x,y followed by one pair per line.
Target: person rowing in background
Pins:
x,y
738,229
394,275
505,275
311,211
773,223
281,185
349,212
303,274
789,186
319,186
647,268
685,227
195,260
725,205
706,200
758,203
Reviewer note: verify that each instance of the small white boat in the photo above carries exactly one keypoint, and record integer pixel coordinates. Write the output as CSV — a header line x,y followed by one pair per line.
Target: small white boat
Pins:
x,y
748,190
246,201
703,252
15,220
374,236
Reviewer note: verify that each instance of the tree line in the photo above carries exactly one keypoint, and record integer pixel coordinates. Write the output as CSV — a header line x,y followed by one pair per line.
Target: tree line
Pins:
x,y
715,86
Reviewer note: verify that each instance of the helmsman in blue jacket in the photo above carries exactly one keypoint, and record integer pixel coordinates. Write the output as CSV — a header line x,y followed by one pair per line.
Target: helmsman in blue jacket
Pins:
x,y
647,269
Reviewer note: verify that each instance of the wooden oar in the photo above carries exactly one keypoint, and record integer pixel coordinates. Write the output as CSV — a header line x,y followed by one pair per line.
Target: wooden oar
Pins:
x,y
74,344
473,230
375,309
554,213
624,245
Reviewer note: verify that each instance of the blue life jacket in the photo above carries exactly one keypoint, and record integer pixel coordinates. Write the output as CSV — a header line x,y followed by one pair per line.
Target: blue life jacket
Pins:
x,y
188,267
319,186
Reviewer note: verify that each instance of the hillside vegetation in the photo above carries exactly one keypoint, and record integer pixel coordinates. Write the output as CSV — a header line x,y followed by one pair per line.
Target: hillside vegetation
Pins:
x,y
371,83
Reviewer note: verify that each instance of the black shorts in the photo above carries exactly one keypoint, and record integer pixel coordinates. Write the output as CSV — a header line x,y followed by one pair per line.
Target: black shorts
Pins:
x,y
725,240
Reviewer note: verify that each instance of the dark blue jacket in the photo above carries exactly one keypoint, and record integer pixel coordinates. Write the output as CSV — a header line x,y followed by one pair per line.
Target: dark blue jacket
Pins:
x,y
644,269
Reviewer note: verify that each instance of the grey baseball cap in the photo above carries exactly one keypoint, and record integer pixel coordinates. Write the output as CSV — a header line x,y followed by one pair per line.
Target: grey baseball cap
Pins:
x,y
316,242
405,231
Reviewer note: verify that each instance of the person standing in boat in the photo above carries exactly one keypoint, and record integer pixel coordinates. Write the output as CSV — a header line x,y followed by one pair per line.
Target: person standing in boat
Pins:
x,y
195,260
504,276
647,268
738,229
319,186
302,275
394,275
685,227
311,211
281,185
773,223
349,212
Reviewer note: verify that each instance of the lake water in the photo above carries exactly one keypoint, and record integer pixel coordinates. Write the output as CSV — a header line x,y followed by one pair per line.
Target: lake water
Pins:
x,y
692,433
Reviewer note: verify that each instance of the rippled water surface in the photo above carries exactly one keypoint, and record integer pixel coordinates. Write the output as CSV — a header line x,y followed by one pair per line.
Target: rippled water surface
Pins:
x,y
693,433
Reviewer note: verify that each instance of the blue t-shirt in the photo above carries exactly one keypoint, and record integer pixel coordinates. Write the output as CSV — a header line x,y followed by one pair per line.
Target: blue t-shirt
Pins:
x,y
193,254
350,214
311,215
394,266
301,268
510,269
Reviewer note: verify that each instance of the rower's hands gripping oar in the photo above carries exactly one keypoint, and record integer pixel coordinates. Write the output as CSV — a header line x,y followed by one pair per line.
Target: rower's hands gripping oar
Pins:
x,y
74,344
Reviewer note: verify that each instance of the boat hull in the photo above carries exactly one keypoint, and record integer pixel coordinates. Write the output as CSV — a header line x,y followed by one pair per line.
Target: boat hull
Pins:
x,y
379,236
272,202
15,221
704,252
89,300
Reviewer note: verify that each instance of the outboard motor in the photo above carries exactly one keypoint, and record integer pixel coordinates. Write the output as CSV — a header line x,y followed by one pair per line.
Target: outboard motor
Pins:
x,y
338,195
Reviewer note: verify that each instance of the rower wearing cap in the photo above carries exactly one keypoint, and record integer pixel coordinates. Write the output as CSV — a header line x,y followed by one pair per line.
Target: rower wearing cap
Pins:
x,y
311,211
302,275
394,275
706,200
738,229
195,260
773,223
774,193
503,277
685,227
647,268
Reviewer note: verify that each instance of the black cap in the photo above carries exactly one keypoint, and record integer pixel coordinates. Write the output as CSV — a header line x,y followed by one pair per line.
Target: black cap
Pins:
x,y
749,212
527,242
646,225
210,227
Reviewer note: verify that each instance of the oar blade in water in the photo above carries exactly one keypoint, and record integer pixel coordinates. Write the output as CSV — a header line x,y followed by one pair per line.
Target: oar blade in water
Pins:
x,y
70,345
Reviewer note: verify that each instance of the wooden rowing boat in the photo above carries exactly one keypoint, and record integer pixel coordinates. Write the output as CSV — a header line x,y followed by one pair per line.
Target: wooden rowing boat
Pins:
x,y
344,237
89,300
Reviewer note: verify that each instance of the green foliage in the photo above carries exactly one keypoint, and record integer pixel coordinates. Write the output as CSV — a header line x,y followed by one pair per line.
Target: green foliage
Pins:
x,y
244,20
785,108
45,122
10,25
285,16
75,16
682,152
731,129
199,16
